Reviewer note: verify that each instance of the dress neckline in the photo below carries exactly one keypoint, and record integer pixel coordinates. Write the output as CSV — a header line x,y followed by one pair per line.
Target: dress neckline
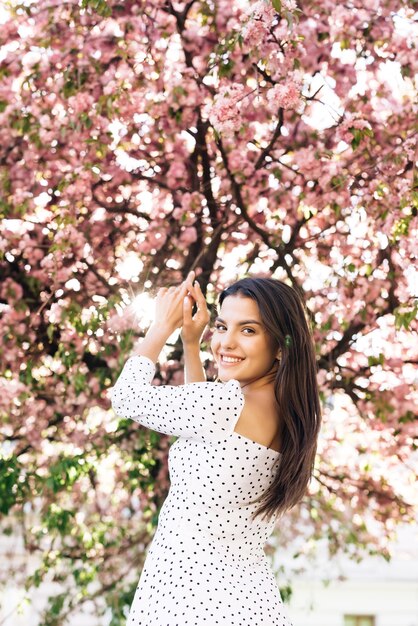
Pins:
x,y
260,445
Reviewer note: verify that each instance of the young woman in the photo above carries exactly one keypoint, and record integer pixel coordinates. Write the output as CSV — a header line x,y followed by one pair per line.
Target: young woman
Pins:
x,y
244,453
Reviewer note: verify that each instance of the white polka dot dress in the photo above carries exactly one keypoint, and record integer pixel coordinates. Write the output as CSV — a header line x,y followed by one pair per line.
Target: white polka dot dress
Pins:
x,y
206,564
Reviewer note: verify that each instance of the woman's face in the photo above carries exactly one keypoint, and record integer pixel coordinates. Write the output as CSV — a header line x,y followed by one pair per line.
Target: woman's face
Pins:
x,y
239,333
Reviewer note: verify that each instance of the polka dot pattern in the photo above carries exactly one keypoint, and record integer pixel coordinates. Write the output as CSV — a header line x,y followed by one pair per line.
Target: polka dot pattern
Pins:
x,y
206,564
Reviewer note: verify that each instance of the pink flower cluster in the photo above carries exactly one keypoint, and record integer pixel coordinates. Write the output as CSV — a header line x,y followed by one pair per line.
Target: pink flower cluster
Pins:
x,y
254,32
262,10
259,20
224,115
188,236
285,96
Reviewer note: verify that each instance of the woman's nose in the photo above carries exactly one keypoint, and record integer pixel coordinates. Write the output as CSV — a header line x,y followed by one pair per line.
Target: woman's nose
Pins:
x,y
228,341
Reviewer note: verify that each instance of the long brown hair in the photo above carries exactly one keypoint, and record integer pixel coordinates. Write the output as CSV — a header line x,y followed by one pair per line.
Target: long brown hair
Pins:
x,y
283,314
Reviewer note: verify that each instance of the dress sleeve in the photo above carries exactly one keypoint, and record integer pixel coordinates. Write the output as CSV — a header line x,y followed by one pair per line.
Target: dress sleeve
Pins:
x,y
203,410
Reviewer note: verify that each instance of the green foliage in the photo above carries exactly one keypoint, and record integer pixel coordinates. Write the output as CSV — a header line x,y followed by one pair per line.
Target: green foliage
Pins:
x,y
119,600
52,615
13,483
58,519
401,227
286,592
358,135
66,471
101,7
226,67
404,316
376,360
74,79
85,575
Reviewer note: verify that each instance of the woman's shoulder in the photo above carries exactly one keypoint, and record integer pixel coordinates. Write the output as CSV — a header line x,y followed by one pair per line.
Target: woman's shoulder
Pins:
x,y
259,421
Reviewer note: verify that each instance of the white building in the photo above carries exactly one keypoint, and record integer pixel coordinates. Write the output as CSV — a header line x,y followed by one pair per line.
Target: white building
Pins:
x,y
374,592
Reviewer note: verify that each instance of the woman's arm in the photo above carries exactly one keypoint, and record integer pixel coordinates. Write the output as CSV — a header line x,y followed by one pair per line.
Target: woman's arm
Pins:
x,y
198,411
153,342
192,331
193,368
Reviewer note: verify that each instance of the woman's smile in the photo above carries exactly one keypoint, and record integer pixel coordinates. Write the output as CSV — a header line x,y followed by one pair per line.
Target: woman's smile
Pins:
x,y
227,361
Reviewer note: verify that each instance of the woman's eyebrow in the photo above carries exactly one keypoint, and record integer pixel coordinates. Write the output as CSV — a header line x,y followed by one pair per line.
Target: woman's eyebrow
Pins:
x,y
218,319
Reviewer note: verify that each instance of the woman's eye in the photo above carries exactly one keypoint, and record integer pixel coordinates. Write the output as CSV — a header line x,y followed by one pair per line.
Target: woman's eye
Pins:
x,y
221,326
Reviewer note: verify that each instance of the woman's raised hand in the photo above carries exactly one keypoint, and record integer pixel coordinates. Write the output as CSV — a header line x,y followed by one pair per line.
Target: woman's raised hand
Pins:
x,y
169,307
193,327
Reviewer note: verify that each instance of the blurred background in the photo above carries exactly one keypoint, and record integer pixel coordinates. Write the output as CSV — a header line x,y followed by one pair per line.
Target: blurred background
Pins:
x,y
140,140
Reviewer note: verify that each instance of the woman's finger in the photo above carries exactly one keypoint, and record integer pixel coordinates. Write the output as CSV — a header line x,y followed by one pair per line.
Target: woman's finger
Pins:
x,y
183,288
187,309
200,298
189,284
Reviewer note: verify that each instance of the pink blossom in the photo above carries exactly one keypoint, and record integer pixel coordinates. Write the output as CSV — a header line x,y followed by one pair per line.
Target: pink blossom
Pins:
x,y
177,377
9,391
80,102
126,320
286,96
188,235
176,173
290,5
225,113
154,240
11,290
56,311
262,10
254,32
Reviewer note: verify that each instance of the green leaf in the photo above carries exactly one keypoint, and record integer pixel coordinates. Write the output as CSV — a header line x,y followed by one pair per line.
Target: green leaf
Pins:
x,y
289,19
13,486
225,68
50,331
403,318
56,603
57,518
357,137
408,417
277,5
65,472
286,593
376,360
99,6
80,382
